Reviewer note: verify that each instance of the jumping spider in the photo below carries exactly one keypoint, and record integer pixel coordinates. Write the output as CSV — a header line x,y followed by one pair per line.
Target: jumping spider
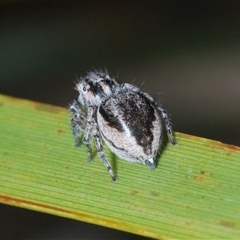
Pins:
x,y
129,121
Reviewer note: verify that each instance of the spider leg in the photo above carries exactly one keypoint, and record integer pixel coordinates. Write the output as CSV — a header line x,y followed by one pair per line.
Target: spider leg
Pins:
x,y
79,125
77,122
102,155
88,130
168,125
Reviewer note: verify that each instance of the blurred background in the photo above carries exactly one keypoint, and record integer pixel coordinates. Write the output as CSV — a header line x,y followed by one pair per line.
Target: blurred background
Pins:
x,y
187,54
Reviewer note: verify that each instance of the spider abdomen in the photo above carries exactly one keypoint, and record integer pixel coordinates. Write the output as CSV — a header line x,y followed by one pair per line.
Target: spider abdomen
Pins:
x,y
130,126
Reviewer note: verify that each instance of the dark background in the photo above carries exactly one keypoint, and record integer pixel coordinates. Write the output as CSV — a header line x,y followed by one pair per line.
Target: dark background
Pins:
x,y
187,54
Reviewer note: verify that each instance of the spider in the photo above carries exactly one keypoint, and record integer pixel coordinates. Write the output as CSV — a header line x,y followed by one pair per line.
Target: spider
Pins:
x,y
128,120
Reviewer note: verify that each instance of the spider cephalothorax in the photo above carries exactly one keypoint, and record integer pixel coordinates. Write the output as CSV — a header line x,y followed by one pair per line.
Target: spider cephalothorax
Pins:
x,y
130,121
94,87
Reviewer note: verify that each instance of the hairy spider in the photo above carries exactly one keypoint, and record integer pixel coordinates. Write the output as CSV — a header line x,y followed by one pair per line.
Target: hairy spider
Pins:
x,y
128,120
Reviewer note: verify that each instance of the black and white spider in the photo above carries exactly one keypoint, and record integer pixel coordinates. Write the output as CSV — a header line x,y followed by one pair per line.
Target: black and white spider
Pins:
x,y
128,120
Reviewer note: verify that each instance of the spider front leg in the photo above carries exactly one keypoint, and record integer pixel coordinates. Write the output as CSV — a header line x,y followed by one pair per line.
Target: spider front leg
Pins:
x,y
99,147
78,124
91,115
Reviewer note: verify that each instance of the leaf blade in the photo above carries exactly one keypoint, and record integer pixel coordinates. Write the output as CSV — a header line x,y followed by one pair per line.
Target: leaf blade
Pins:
x,y
194,191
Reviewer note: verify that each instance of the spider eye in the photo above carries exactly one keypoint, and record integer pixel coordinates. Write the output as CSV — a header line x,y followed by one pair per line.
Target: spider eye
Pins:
x,y
84,89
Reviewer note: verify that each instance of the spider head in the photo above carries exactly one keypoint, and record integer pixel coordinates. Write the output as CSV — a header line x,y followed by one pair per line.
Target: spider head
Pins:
x,y
94,87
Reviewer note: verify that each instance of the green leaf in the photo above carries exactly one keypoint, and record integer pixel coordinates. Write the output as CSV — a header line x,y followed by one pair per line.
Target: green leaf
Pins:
x,y
193,193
